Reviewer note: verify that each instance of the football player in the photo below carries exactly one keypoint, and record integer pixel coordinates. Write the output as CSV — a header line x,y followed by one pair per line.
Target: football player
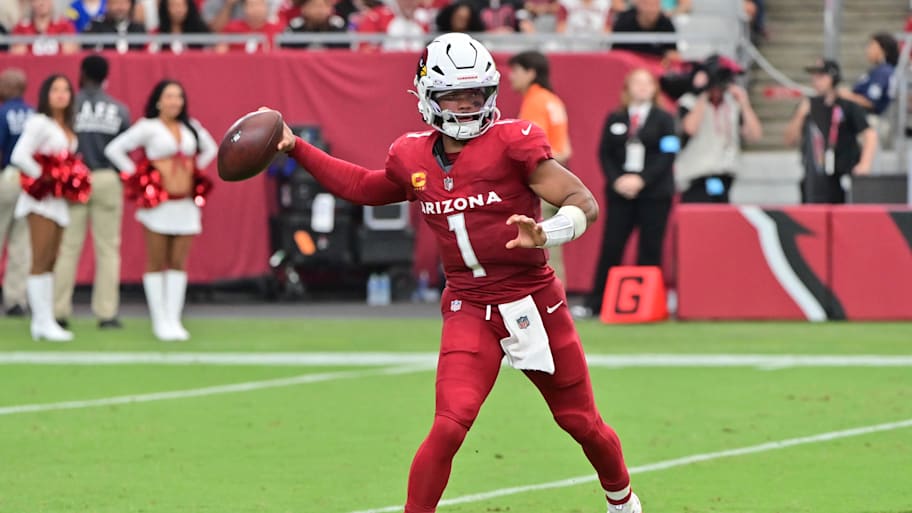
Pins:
x,y
479,180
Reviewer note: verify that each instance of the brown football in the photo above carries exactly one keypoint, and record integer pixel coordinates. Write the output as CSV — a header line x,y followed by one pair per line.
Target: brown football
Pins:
x,y
249,145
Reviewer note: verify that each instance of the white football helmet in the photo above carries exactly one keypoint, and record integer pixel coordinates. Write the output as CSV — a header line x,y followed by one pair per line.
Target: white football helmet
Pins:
x,y
451,62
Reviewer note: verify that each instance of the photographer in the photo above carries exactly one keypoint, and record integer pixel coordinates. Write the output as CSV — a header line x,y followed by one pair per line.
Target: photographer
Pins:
x,y
715,115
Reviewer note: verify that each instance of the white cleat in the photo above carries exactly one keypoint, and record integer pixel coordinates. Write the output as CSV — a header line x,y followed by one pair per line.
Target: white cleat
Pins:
x,y
631,506
179,332
51,333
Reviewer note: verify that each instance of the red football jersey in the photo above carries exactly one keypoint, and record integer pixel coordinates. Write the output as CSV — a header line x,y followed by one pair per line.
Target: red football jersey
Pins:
x,y
50,45
242,27
468,206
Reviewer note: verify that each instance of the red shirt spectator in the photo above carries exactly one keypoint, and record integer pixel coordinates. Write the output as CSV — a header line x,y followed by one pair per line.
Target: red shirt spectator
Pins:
x,y
44,46
244,27
44,22
286,12
256,19
411,21
376,19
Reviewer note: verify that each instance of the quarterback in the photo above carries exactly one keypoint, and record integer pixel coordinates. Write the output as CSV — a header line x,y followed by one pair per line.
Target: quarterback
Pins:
x,y
479,181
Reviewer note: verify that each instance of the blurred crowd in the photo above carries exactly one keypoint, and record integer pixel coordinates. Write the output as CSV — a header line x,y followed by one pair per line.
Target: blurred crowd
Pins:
x,y
408,18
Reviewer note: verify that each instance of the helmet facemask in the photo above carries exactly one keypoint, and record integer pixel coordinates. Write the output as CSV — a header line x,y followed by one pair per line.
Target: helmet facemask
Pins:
x,y
465,125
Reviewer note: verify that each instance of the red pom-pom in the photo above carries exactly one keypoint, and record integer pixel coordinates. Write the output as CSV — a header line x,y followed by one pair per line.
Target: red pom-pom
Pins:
x,y
144,187
63,176
77,185
202,186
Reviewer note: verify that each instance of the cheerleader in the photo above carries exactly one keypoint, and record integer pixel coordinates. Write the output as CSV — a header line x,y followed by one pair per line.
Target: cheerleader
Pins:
x,y
51,175
169,189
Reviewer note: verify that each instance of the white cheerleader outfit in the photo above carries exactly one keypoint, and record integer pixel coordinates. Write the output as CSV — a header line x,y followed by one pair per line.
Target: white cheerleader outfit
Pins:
x,y
172,217
43,135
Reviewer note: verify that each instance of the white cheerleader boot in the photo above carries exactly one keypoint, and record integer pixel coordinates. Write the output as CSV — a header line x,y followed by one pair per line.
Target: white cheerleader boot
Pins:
x,y
175,292
40,290
154,286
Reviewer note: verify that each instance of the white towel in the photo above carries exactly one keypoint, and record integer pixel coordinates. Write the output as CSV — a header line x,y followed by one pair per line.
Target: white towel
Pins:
x,y
527,347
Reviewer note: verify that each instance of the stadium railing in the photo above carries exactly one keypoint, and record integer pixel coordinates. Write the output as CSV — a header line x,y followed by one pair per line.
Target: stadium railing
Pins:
x,y
727,41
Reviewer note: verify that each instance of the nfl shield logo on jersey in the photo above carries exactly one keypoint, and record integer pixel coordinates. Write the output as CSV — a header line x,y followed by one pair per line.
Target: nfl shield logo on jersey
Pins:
x,y
523,322
448,183
455,305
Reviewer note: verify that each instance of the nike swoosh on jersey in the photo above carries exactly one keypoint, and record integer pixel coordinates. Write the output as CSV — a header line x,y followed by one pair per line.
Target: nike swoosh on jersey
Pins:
x,y
525,131
551,309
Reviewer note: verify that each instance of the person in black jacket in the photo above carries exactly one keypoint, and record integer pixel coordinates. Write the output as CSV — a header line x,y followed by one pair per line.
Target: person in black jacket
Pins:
x,y
116,20
646,16
637,153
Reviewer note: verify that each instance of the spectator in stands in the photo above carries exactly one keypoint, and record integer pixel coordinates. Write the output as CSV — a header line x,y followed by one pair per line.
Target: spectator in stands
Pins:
x,y
460,16
544,14
82,12
117,20
169,224
43,22
646,16
874,90
13,232
178,17
530,75
637,152
218,13
505,16
11,13
3,32
99,119
584,17
145,12
316,16
353,10
256,19
403,19
755,12
715,117
828,128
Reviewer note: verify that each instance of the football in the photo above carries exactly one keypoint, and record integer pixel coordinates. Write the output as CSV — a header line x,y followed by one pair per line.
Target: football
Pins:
x,y
249,145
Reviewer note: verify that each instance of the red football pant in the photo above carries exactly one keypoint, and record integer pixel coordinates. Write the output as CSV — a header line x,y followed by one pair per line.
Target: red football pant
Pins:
x,y
470,358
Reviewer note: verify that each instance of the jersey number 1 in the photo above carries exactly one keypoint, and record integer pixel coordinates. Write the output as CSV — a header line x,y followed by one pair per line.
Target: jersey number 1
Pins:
x,y
458,225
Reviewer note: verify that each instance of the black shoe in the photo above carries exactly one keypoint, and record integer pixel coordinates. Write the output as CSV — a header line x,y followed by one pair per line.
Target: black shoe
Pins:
x,y
15,311
65,324
110,324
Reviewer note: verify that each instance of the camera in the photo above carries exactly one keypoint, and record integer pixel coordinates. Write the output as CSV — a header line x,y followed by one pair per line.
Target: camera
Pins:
x,y
720,73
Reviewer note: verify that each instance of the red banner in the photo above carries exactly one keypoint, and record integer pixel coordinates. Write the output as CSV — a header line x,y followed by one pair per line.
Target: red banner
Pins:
x,y
750,263
359,100
872,262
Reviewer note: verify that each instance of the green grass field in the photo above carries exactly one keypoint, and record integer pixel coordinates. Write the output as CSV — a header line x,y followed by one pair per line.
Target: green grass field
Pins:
x,y
339,437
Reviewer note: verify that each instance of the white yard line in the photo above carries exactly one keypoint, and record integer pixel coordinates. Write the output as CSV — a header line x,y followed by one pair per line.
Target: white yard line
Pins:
x,y
209,391
662,465
761,361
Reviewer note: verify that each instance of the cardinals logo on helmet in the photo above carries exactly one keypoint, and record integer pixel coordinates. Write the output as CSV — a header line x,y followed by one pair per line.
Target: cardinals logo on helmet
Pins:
x,y
422,64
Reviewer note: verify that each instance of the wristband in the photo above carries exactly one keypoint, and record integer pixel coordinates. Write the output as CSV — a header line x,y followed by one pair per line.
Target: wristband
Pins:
x,y
567,224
